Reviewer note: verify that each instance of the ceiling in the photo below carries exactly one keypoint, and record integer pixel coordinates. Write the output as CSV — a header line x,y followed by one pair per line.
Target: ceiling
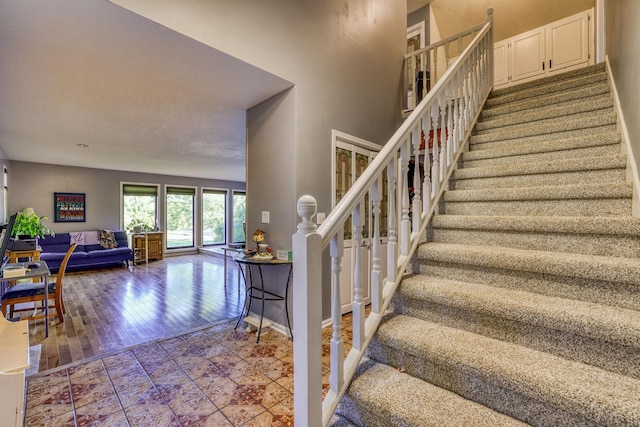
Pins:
x,y
87,83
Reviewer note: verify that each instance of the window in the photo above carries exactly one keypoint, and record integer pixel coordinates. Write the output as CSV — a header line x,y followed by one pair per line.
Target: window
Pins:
x,y
139,206
239,216
180,217
214,209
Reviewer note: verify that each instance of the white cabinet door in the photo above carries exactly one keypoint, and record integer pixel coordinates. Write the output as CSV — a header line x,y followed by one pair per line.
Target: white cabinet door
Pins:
x,y
528,55
500,64
568,42
560,46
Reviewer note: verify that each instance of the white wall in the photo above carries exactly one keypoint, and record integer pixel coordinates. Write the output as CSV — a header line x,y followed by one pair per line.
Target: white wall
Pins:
x,y
623,41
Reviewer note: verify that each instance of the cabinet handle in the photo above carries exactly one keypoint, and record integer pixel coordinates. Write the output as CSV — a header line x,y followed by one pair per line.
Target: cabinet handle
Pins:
x,y
549,64
542,65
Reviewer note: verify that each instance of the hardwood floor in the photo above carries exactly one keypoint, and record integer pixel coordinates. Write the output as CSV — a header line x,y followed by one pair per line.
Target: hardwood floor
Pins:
x,y
113,309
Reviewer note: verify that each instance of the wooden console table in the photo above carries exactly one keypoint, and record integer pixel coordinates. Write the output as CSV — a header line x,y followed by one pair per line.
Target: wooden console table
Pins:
x,y
33,255
147,246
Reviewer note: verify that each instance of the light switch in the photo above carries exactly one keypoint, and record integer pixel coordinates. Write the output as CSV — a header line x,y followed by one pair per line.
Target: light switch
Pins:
x,y
320,218
265,217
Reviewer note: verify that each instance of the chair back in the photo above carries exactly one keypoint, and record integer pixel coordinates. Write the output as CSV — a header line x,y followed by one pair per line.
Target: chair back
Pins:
x,y
63,269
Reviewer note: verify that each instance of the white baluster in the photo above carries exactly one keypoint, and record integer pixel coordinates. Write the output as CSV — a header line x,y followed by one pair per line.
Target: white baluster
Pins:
x,y
435,167
392,247
426,185
416,205
451,149
405,224
336,374
307,317
442,102
376,281
358,300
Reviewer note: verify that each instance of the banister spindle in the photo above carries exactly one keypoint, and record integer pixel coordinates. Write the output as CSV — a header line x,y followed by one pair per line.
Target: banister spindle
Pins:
x,y
336,376
442,103
376,280
392,221
435,167
405,222
426,185
416,205
358,300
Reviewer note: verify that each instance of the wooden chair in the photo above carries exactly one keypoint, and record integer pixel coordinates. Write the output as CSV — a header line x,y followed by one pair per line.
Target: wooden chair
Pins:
x,y
34,292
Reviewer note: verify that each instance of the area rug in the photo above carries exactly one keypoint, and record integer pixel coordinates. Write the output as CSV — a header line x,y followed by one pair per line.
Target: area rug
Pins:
x,y
34,359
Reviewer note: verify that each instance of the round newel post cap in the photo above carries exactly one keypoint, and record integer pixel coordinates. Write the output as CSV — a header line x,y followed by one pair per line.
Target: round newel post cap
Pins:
x,y
307,207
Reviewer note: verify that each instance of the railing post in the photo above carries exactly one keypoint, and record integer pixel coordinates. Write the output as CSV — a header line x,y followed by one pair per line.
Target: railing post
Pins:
x,y
392,224
307,318
490,47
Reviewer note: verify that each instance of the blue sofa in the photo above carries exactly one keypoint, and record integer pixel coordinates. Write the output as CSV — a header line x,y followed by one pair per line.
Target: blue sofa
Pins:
x,y
88,254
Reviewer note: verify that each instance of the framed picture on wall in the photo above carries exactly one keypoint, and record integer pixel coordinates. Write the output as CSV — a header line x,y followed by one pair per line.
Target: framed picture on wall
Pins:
x,y
69,207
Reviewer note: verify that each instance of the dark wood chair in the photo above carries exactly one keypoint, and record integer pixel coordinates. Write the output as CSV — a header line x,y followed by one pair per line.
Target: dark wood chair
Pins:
x,y
34,292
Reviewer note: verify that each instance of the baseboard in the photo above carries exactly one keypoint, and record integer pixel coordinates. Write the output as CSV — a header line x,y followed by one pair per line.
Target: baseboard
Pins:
x,y
632,167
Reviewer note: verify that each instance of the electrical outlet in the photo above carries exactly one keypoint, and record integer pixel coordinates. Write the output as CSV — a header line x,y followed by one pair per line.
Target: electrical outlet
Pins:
x,y
265,217
320,217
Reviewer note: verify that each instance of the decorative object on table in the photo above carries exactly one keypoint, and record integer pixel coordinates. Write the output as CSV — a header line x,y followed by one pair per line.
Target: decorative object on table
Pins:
x,y
258,237
27,229
69,207
284,254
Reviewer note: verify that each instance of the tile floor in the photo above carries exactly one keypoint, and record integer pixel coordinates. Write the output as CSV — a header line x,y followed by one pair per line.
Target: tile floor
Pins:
x,y
215,376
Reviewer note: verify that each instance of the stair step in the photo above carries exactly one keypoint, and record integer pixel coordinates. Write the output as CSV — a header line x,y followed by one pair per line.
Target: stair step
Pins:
x,y
608,199
544,88
553,149
482,142
381,396
614,236
564,109
550,126
590,71
551,172
589,91
533,386
586,332
604,268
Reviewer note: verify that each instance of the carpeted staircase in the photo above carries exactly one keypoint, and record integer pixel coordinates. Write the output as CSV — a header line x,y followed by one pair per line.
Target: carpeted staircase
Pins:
x,y
524,305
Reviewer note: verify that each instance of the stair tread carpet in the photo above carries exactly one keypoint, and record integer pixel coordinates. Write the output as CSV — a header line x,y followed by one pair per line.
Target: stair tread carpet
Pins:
x,y
590,191
393,398
525,104
604,268
563,109
603,397
571,224
597,321
551,166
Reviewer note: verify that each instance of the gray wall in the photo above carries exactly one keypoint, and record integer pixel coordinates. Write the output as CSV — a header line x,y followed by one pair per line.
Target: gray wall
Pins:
x,y
345,59
418,16
33,184
623,44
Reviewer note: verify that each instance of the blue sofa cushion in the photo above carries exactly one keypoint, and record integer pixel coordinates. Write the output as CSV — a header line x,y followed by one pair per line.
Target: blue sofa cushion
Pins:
x,y
28,289
109,252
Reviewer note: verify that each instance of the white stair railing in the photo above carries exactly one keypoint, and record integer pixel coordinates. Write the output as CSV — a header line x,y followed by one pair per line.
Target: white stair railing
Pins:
x,y
448,112
424,67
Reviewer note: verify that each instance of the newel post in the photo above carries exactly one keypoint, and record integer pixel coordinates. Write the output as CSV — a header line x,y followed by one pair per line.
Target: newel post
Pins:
x,y
307,318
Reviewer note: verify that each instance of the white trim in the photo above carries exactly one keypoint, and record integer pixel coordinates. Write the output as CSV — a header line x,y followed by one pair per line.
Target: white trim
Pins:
x,y
196,219
149,184
600,31
417,29
632,167
226,192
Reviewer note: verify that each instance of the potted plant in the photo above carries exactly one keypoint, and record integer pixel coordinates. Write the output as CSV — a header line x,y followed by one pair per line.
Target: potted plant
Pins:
x,y
27,229
138,226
